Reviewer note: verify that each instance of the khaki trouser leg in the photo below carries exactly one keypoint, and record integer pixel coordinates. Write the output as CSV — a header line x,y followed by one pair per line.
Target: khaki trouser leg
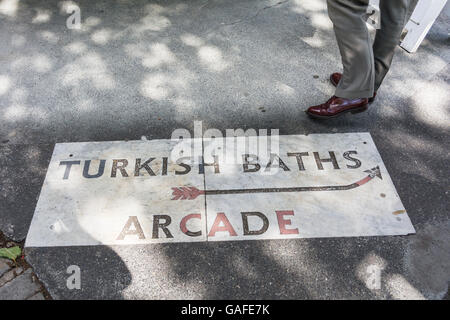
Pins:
x,y
349,22
393,14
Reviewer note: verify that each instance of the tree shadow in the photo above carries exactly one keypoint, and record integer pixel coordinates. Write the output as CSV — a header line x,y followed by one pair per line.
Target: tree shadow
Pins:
x,y
145,68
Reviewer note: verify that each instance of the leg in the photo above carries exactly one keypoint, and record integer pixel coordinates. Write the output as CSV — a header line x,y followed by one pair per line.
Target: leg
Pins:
x,y
393,14
349,21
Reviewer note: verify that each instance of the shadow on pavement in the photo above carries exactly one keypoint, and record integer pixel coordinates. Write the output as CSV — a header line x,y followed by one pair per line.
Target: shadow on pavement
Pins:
x,y
145,68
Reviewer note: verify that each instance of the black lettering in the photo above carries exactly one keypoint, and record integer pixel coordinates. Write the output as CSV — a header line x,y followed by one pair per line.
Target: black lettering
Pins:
x,y
101,169
68,165
157,225
246,163
202,165
145,166
248,232
185,166
164,167
331,159
356,161
281,164
121,167
298,156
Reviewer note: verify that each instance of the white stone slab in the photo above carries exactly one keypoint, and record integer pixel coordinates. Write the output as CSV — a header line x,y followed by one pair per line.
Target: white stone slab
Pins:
x,y
338,199
93,211
372,209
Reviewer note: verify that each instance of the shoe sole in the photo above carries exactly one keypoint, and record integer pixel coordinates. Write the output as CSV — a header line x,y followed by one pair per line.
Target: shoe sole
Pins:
x,y
352,111
335,84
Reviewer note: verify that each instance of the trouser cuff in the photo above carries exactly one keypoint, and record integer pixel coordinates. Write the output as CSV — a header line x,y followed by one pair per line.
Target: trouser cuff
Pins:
x,y
353,94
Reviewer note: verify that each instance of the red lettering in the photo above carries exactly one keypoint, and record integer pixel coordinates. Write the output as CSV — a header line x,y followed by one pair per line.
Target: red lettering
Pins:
x,y
185,220
221,217
282,223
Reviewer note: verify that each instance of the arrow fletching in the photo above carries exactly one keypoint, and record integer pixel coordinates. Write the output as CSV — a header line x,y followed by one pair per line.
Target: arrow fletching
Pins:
x,y
186,193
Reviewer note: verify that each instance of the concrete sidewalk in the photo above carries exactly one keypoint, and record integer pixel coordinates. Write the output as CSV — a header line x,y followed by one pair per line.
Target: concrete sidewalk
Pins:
x,y
145,68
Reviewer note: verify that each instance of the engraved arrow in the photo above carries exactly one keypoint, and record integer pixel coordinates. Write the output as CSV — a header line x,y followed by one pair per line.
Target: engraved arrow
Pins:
x,y
190,193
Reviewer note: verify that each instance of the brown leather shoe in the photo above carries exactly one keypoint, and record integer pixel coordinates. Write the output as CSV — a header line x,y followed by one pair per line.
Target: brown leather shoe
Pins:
x,y
336,77
336,106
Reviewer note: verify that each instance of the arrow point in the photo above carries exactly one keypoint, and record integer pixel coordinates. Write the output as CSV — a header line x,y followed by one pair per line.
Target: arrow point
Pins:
x,y
378,172
375,172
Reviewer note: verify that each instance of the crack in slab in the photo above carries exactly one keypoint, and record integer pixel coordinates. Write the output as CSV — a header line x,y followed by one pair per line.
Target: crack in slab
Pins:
x,y
249,17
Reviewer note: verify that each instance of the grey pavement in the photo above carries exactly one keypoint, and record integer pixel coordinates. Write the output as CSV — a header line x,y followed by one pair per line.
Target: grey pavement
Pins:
x,y
17,283
4,266
146,68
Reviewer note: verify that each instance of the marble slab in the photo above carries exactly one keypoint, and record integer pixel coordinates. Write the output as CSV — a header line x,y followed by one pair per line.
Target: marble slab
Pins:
x,y
116,209
247,188
325,185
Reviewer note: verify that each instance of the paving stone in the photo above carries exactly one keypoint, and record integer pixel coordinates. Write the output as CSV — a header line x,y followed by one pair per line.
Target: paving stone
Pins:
x,y
8,276
20,288
4,266
18,271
